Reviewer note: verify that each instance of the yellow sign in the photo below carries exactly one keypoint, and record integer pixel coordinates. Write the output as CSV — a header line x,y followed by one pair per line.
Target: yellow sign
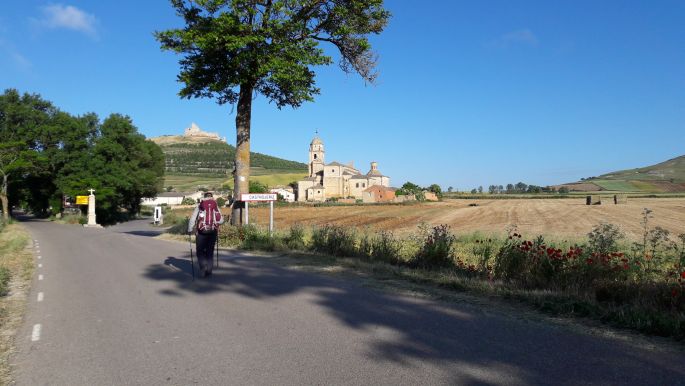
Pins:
x,y
81,200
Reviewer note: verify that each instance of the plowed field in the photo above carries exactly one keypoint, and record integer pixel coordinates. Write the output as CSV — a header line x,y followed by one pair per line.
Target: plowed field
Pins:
x,y
559,217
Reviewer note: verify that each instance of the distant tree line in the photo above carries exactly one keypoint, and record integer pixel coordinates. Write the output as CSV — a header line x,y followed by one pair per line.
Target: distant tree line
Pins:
x,y
46,153
520,188
216,158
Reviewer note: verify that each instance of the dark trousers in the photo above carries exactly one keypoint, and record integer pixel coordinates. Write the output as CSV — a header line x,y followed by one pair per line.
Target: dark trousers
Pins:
x,y
204,245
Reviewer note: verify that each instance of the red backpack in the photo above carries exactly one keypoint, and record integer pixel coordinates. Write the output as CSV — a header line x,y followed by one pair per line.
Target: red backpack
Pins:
x,y
209,217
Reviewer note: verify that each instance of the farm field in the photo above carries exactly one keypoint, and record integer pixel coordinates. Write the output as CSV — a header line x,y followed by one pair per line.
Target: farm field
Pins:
x,y
553,217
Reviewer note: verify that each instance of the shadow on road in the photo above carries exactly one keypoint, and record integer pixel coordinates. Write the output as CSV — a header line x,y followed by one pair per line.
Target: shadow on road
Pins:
x,y
477,348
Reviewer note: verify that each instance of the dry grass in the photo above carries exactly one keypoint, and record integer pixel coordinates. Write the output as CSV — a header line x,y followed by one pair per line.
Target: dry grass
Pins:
x,y
15,257
561,218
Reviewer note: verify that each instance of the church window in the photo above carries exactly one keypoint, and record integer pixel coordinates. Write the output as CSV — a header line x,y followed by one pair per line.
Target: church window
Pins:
x,y
363,185
315,156
357,184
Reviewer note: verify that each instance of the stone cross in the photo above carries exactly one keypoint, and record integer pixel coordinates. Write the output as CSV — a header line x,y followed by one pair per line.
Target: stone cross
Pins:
x,y
91,191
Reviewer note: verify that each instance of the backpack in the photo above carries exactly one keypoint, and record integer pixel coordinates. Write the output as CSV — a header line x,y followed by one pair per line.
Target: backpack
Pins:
x,y
209,217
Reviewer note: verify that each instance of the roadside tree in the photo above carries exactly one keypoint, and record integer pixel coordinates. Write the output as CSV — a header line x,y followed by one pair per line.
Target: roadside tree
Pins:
x,y
233,50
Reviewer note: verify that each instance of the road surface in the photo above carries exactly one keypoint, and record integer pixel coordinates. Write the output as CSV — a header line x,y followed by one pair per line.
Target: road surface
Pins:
x,y
117,307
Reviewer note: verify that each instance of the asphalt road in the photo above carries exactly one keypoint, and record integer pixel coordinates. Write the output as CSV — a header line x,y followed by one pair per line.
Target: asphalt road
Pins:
x,y
117,307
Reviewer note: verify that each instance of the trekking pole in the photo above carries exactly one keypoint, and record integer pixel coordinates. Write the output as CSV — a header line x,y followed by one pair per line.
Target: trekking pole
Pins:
x,y
192,264
217,248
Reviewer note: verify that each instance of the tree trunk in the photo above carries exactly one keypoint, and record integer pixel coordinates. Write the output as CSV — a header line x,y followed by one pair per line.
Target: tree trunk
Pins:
x,y
241,173
3,198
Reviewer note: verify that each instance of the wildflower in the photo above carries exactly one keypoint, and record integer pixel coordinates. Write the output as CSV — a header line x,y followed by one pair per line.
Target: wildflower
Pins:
x,y
682,275
589,261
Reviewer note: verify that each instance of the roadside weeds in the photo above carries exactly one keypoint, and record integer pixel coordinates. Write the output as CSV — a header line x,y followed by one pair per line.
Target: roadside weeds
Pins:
x,y
16,259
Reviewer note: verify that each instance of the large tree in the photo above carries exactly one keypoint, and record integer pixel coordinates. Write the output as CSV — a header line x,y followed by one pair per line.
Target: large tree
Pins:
x,y
22,117
233,49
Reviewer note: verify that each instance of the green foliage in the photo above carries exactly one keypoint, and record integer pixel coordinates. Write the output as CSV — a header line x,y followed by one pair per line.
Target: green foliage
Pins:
x,y
66,155
220,201
295,240
269,47
437,249
258,187
188,201
334,240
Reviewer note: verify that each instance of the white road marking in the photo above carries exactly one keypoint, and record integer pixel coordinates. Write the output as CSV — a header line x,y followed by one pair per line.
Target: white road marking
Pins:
x,y
35,335
40,277
40,296
40,265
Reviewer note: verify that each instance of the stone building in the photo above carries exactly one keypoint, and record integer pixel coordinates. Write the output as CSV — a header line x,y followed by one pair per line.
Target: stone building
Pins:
x,y
194,131
335,180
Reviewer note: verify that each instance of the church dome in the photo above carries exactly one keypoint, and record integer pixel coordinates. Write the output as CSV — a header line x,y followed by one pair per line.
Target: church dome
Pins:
x,y
316,141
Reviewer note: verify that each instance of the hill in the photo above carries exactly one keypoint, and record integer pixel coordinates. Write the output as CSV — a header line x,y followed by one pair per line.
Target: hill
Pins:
x,y
205,157
664,177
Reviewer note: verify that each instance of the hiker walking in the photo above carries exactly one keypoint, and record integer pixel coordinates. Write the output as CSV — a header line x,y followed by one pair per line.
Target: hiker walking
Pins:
x,y
208,217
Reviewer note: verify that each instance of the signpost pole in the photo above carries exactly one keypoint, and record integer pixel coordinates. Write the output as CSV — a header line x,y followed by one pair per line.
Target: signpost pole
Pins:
x,y
247,213
271,218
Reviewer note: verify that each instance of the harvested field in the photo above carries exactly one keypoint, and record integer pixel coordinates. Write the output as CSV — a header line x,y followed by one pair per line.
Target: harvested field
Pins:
x,y
567,218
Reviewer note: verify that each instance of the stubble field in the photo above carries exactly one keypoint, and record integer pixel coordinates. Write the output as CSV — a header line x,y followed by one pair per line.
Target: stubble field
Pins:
x,y
559,217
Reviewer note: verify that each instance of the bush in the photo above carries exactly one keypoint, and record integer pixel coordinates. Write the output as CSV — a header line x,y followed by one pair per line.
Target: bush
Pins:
x,y
603,239
188,201
385,247
437,250
334,240
295,238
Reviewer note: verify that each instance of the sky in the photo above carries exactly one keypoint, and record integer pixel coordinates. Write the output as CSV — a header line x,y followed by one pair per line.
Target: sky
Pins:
x,y
470,92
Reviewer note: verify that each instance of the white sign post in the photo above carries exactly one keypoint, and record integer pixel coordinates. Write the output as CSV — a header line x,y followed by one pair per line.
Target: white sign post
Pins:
x,y
260,197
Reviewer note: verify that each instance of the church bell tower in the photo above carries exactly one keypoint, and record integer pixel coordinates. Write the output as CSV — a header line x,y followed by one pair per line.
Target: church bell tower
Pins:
x,y
316,156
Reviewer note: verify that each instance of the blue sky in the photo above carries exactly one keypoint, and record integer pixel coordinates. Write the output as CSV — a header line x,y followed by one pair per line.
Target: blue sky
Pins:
x,y
470,92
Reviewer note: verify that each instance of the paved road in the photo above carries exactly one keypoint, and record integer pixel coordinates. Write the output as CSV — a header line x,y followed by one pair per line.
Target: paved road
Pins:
x,y
119,308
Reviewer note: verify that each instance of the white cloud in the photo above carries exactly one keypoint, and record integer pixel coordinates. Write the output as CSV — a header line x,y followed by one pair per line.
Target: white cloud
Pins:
x,y
69,17
519,37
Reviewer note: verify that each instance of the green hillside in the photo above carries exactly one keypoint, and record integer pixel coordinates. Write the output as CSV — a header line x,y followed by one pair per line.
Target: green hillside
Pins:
x,y
212,158
664,177
672,170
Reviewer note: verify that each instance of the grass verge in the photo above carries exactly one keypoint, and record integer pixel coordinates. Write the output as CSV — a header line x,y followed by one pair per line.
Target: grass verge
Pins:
x,y
16,268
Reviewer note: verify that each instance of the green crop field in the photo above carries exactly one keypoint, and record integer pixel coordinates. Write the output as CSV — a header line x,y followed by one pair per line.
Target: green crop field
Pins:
x,y
617,185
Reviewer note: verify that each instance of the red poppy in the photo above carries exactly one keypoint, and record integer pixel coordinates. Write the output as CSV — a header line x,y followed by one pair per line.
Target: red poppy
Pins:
x,y
589,261
682,275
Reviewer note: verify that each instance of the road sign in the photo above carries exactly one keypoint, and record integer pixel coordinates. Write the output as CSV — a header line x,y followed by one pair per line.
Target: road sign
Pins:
x,y
81,200
255,197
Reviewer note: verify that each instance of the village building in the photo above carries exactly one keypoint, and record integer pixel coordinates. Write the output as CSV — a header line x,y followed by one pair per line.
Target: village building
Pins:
x,y
336,180
286,194
378,193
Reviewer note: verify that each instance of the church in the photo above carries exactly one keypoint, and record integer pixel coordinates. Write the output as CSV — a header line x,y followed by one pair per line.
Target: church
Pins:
x,y
335,180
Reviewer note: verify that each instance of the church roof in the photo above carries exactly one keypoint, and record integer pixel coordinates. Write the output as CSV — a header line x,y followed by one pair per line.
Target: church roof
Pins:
x,y
317,141
335,163
374,173
319,186
359,177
